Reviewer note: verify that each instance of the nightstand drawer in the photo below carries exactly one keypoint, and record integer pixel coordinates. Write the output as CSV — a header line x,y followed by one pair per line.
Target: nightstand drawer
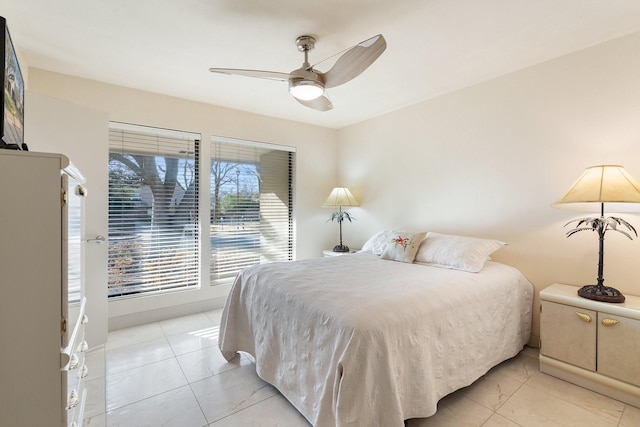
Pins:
x,y
569,334
619,347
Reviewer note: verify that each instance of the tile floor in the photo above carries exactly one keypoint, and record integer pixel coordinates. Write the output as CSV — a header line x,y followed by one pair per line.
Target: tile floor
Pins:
x,y
170,373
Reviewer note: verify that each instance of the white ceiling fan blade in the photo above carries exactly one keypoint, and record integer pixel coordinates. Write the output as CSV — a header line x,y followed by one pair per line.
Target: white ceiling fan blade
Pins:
x,y
354,61
322,103
271,75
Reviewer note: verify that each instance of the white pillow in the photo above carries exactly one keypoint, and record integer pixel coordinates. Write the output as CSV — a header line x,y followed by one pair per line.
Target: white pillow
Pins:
x,y
456,252
402,246
377,242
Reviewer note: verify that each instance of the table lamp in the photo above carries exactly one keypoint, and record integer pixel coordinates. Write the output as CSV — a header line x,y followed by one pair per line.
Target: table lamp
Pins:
x,y
339,197
601,184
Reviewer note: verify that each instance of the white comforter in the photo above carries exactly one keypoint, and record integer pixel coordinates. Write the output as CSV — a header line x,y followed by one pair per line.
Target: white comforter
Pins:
x,y
360,341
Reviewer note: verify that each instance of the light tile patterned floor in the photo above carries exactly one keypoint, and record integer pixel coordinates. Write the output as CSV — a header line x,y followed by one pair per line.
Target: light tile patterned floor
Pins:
x,y
171,374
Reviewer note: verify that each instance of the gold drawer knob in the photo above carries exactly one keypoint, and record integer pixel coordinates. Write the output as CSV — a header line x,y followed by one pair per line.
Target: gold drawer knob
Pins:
x,y
609,322
584,316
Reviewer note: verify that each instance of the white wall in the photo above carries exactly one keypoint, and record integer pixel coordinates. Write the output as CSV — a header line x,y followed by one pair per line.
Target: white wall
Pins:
x,y
316,167
485,161
489,160
56,126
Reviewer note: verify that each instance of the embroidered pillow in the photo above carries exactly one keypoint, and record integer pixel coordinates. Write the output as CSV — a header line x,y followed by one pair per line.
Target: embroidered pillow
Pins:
x,y
402,246
456,252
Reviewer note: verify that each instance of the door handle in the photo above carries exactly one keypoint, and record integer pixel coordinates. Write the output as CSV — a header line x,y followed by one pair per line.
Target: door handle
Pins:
x,y
98,240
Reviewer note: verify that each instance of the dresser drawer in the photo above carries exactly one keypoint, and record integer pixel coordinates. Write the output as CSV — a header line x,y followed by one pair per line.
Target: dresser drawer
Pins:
x,y
74,370
75,413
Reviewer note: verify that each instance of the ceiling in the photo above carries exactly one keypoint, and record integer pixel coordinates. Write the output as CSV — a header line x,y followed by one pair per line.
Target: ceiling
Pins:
x,y
433,46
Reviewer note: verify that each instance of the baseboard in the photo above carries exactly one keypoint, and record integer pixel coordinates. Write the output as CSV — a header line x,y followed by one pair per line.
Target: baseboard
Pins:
x,y
155,315
602,384
534,341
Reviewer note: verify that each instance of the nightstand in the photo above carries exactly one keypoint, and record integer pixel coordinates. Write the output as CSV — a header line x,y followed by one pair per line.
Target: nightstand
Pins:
x,y
329,253
590,343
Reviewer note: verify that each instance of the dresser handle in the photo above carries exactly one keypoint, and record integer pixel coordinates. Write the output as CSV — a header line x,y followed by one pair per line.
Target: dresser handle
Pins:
x,y
84,346
73,400
584,316
85,371
84,320
609,322
73,363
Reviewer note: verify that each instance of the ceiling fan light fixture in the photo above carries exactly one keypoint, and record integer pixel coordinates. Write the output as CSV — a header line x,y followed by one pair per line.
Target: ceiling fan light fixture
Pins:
x,y
306,90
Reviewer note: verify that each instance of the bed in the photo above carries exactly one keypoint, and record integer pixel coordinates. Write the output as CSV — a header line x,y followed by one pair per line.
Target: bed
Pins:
x,y
360,340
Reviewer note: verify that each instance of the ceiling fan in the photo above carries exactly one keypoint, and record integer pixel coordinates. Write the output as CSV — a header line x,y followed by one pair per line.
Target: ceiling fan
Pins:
x,y
308,85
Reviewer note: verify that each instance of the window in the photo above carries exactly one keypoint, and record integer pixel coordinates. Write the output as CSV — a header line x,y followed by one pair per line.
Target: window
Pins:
x,y
251,212
154,225
153,210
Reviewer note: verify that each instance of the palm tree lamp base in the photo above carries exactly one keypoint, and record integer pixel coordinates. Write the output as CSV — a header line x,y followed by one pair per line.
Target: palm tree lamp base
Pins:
x,y
601,293
602,184
341,248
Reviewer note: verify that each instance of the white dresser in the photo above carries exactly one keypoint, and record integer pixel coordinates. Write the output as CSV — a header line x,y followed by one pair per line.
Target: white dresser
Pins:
x,y
41,291
592,344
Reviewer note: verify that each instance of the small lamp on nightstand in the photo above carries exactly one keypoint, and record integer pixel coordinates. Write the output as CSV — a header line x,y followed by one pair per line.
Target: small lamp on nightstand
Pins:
x,y
339,197
601,184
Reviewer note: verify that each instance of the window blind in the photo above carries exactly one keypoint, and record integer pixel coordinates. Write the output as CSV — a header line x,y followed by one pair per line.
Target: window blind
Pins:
x,y
153,210
251,221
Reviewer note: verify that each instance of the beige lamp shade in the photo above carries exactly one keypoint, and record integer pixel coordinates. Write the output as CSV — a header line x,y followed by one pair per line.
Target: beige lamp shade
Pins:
x,y
602,184
340,196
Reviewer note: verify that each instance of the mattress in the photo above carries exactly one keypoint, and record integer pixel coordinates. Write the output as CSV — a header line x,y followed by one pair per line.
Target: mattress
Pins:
x,y
357,340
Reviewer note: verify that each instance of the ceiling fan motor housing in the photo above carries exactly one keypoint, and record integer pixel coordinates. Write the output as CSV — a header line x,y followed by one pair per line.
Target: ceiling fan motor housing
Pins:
x,y
305,43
